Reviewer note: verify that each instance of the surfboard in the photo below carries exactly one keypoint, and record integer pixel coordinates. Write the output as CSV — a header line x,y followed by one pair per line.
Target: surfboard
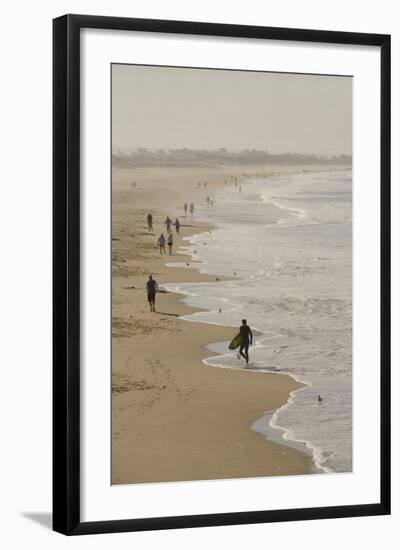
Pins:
x,y
236,341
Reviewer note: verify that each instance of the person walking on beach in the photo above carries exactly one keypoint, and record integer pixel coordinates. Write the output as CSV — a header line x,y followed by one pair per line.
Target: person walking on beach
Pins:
x,y
208,201
149,222
161,243
170,243
152,288
191,208
177,225
247,340
168,223
185,207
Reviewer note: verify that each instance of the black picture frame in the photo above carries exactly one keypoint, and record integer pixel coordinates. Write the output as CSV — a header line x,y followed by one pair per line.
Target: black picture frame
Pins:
x,y
66,273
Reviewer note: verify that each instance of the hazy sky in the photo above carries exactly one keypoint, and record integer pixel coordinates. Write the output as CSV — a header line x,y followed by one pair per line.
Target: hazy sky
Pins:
x,y
167,108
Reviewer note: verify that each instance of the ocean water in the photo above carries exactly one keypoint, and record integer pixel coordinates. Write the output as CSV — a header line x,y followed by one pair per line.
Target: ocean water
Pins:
x,y
286,242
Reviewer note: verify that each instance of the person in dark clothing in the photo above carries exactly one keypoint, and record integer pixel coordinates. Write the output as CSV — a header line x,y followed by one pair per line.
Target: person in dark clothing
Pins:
x,y
247,340
151,287
149,222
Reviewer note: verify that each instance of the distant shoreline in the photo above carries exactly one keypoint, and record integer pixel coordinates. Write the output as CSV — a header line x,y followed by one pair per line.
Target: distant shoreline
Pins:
x,y
221,157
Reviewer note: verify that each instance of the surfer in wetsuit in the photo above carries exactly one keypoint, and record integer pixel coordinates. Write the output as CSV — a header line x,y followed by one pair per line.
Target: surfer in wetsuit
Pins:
x,y
247,340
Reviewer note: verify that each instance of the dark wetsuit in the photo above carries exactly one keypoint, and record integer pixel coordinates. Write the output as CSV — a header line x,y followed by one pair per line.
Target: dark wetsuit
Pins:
x,y
247,337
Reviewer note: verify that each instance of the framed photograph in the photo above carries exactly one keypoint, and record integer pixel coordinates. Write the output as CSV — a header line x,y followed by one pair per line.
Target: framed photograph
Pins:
x,y
221,274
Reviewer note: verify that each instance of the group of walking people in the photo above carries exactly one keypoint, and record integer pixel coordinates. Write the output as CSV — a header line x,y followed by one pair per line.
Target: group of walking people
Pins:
x,y
162,240
191,208
168,222
246,335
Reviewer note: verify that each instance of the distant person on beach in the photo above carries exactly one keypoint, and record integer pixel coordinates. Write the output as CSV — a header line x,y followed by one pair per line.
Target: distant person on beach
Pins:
x,y
191,208
247,340
161,243
208,201
185,207
152,288
149,222
168,223
205,184
177,225
170,242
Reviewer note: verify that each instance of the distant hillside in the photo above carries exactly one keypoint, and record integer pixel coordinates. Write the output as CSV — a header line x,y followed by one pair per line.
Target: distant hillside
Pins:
x,y
190,157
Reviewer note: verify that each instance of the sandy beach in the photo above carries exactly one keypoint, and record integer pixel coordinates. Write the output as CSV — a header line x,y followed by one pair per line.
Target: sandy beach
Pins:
x,y
173,417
